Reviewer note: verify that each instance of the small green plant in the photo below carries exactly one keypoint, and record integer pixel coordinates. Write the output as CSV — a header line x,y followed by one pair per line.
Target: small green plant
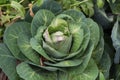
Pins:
x,y
14,10
10,12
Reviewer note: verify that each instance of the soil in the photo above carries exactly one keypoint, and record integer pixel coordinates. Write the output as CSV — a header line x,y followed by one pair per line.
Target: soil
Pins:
x,y
2,75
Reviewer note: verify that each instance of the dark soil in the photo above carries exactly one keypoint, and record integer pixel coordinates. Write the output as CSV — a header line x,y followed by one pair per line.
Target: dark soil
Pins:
x,y
3,76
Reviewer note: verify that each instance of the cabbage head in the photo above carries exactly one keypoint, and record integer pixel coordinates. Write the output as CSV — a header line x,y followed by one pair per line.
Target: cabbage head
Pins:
x,y
53,46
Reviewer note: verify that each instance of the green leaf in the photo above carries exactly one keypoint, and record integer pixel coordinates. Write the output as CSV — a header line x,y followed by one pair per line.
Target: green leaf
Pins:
x,y
3,1
52,52
51,5
101,76
47,4
100,3
8,63
111,1
64,16
70,55
105,64
48,68
77,34
87,7
86,35
67,4
19,8
58,24
116,41
101,18
38,48
39,2
64,46
25,47
5,18
11,36
86,56
114,5
66,63
39,34
30,73
98,51
76,15
28,17
90,73
41,18
94,31
117,75
86,38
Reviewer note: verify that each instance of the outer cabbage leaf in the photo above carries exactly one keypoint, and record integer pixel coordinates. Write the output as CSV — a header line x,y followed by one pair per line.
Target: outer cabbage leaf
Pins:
x,y
52,6
90,73
99,49
28,17
8,63
30,73
11,35
25,47
116,41
101,18
48,68
48,5
76,15
105,64
86,57
94,31
66,63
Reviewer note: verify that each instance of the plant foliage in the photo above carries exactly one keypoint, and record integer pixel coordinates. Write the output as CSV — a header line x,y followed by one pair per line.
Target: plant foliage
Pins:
x,y
63,40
